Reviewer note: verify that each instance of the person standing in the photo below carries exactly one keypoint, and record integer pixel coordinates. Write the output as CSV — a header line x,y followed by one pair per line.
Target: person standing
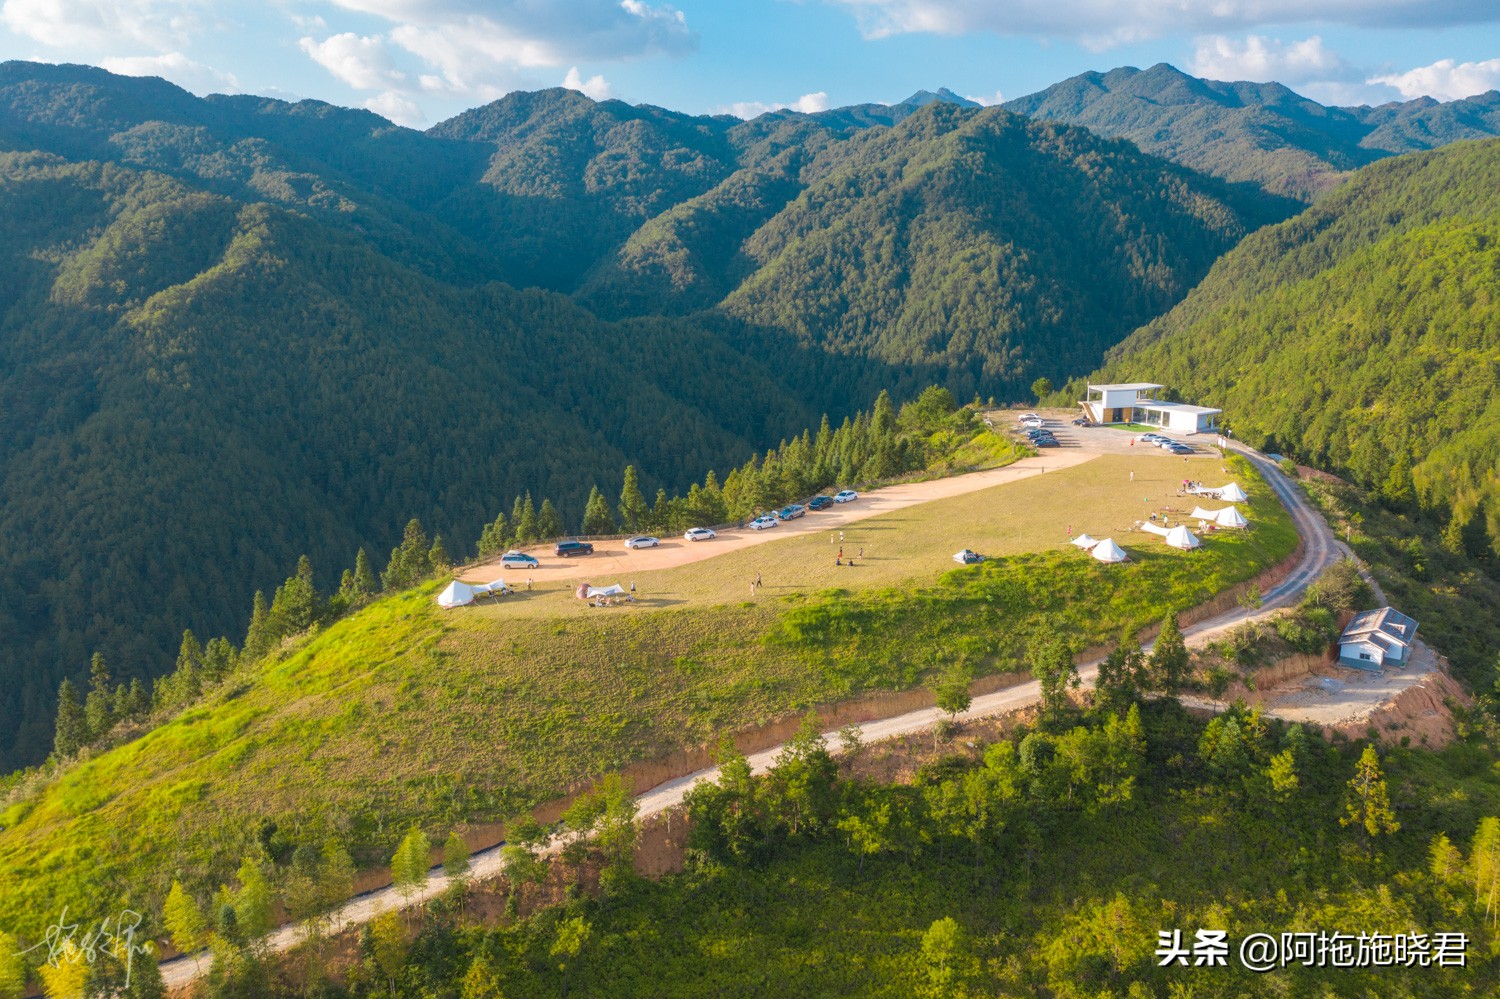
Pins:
x,y
757,579
632,586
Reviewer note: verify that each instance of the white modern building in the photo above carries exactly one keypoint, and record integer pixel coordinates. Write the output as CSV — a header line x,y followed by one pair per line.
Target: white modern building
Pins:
x,y
1375,639
1132,402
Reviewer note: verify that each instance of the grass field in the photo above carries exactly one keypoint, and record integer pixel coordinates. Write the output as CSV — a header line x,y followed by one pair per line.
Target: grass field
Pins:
x,y
406,713
906,548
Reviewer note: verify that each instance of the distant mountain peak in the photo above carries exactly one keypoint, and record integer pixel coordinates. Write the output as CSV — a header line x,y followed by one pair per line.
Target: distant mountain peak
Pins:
x,y
942,96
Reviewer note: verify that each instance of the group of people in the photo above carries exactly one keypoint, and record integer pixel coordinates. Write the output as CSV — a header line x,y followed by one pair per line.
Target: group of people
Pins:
x,y
839,558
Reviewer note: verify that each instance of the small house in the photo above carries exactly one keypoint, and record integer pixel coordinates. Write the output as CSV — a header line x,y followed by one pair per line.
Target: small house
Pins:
x,y
1134,402
1375,639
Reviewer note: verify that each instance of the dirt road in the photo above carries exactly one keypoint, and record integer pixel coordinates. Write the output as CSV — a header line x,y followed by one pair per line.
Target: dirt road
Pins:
x,y
1320,551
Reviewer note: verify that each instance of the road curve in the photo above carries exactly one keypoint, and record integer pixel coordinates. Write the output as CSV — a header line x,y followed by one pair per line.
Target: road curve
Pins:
x,y
1320,550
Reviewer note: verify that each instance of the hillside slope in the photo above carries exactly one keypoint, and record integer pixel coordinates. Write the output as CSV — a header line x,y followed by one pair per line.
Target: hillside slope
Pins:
x,y
1362,336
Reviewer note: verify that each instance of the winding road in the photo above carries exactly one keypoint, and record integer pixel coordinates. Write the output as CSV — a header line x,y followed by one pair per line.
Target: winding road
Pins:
x,y
1320,550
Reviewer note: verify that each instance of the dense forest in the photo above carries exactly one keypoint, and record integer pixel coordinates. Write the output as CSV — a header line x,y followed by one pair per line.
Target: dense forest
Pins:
x,y
236,331
1260,134
1360,337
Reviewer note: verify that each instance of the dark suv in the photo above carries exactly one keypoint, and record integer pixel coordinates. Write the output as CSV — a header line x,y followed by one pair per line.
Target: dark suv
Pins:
x,y
565,549
820,503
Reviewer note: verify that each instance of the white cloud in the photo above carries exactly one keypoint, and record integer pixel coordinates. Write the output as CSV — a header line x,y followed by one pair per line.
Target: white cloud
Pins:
x,y
996,98
399,109
1115,22
1446,79
595,87
178,68
361,62
477,48
102,25
807,104
1256,57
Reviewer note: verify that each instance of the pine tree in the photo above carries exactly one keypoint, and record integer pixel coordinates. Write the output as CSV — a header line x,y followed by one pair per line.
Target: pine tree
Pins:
x,y
549,523
219,659
633,509
253,900
527,531
258,638
1169,658
481,981
184,920
1367,802
409,864
455,856
493,538
365,583
140,701
410,561
596,516
437,556
98,707
72,731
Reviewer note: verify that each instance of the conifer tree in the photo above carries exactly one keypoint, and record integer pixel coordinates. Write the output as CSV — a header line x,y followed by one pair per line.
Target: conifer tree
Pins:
x,y
481,981
184,920
98,707
527,531
1367,803
596,516
549,523
437,556
455,856
346,587
1169,658
140,701
72,732
409,864
365,583
258,638
633,510
493,538
253,900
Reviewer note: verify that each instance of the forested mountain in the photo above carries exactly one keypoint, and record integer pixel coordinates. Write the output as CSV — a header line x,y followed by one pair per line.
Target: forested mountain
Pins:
x,y
236,329
1361,336
1259,133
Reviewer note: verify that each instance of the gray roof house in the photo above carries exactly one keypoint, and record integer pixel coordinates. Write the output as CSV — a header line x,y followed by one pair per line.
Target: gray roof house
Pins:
x,y
1375,639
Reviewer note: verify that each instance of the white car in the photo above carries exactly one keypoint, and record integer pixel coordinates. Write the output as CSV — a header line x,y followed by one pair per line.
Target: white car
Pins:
x,y
518,560
763,523
1032,424
846,496
644,541
699,534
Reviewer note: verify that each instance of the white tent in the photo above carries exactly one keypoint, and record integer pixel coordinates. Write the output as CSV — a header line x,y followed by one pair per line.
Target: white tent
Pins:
x,y
1147,525
1108,551
1181,537
456,595
606,591
1230,517
1084,541
1232,493
498,586
1201,514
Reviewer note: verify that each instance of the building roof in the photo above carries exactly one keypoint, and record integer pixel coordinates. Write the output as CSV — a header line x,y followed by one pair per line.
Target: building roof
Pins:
x,y
1178,407
1386,627
1127,386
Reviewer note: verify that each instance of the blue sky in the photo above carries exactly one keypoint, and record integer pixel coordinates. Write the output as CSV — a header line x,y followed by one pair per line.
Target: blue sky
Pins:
x,y
420,61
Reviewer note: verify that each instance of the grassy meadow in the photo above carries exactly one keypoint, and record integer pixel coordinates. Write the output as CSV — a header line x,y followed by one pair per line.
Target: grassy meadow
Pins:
x,y
404,713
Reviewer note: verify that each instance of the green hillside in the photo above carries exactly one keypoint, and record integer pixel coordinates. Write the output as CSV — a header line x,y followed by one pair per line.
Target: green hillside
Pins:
x,y
404,713
1360,336
237,330
1255,133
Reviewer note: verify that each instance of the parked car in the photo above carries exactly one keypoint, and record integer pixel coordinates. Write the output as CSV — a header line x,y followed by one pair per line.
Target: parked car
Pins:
x,y
820,503
763,522
567,549
1046,442
1180,449
1033,424
792,512
1164,442
1028,416
967,557
644,541
699,534
846,496
1083,422
1034,434
518,560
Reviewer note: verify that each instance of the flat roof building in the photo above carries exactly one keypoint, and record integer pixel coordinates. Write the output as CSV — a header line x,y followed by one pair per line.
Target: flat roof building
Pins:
x,y
1133,402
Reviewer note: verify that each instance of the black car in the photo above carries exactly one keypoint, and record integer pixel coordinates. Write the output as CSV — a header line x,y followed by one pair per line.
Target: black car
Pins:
x,y
1081,422
820,503
567,549
1046,442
